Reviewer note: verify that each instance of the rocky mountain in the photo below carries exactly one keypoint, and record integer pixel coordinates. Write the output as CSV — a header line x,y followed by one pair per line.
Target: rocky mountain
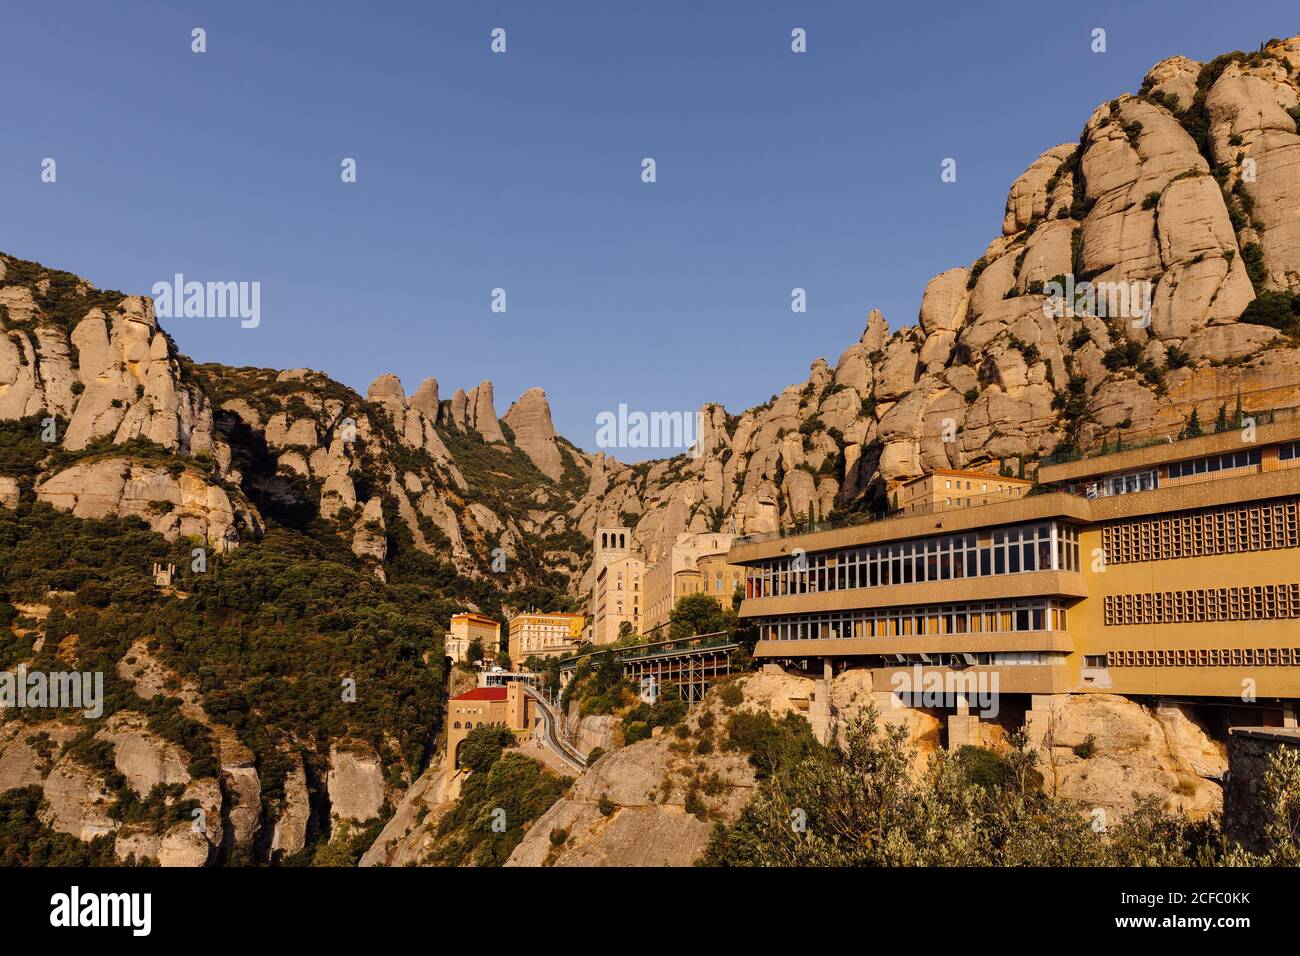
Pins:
x,y
1182,194
308,537
1145,274
1186,192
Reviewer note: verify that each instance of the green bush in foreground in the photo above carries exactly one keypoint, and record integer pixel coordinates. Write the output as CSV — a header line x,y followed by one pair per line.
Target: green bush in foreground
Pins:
x,y
495,809
862,805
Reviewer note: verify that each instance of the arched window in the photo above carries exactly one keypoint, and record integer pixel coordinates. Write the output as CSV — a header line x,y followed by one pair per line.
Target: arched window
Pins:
x,y
456,725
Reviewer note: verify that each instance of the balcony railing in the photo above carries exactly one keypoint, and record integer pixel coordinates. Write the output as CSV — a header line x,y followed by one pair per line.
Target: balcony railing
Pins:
x,y
926,508
1262,416
656,648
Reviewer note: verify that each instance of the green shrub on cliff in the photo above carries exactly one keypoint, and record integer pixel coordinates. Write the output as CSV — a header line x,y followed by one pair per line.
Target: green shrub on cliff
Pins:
x,y
861,804
494,810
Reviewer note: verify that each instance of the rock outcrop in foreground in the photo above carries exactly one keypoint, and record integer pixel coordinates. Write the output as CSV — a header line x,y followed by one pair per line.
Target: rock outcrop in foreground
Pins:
x,y
630,808
1132,751
648,784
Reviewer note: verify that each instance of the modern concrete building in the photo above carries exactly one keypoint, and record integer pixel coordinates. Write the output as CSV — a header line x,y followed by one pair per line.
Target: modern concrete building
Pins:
x,y
507,706
536,634
1169,571
942,490
468,627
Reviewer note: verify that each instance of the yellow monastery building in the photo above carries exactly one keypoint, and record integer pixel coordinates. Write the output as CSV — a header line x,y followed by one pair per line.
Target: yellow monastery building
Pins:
x,y
941,490
695,562
468,627
544,634
1169,571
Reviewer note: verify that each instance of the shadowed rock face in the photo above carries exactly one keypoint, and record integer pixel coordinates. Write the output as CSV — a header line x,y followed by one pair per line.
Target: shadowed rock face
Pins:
x,y
481,414
530,420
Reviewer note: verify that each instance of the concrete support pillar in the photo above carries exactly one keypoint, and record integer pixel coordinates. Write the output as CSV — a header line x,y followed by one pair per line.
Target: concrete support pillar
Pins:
x,y
1289,714
891,708
964,730
819,707
1038,719
963,726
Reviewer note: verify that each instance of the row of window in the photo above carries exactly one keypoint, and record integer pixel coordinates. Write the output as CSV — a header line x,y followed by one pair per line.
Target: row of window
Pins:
x,y
985,658
1121,484
1265,602
1289,452
1043,547
720,582
1210,657
991,617
1201,466
1226,530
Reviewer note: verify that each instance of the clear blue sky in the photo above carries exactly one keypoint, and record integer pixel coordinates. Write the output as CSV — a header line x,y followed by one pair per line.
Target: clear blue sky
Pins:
x,y
522,171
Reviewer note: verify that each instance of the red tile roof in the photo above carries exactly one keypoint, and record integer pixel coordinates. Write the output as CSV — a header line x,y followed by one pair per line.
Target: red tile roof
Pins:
x,y
483,693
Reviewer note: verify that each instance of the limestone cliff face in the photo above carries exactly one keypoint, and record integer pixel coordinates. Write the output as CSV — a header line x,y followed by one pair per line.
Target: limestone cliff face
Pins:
x,y
234,818
95,369
1136,751
355,783
246,440
77,797
115,374
647,785
174,505
594,730
530,420
411,834
1188,189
